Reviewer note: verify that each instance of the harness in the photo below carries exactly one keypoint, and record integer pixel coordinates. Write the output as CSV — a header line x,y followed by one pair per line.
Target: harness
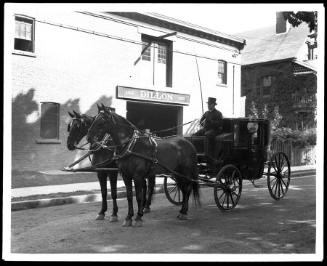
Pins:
x,y
129,145
129,151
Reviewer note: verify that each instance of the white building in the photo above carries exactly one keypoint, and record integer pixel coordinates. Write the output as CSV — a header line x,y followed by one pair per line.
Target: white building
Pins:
x,y
73,60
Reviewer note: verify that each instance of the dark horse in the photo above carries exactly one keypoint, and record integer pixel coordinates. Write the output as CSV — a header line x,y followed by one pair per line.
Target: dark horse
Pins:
x,y
140,155
77,129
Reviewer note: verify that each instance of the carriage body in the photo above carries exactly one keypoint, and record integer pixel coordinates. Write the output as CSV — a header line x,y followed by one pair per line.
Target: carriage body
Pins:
x,y
244,143
245,155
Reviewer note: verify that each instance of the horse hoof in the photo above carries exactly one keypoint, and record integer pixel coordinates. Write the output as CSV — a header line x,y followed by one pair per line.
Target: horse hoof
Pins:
x,y
146,210
100,217
182,216
127,223
138,223
113,219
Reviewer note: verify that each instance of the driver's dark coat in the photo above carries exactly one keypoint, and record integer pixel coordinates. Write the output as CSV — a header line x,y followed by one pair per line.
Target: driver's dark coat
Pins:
x,y
211,119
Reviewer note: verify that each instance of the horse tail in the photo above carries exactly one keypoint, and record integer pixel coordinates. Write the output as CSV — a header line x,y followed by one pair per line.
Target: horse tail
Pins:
x,y
196,186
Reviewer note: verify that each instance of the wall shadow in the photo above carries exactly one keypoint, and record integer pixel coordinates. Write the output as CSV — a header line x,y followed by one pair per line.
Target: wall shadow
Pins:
x,y
30,156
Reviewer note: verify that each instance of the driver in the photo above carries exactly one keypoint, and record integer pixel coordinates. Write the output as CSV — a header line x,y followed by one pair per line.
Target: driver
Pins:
x,y
211,125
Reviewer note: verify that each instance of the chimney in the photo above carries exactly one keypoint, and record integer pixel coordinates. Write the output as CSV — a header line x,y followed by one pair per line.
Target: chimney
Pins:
x,y
282,25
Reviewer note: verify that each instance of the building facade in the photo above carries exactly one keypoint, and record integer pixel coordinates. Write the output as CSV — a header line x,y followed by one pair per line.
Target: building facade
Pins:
x,y
278,71
154,70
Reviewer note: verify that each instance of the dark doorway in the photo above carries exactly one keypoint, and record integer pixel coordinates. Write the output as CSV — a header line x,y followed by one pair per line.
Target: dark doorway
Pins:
x,y
156,117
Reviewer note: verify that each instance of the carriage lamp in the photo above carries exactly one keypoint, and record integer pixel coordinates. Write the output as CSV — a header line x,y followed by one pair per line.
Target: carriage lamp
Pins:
x,y
252,128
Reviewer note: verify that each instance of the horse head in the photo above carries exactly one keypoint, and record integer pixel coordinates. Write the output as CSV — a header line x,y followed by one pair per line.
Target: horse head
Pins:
x,y
108,122
77,128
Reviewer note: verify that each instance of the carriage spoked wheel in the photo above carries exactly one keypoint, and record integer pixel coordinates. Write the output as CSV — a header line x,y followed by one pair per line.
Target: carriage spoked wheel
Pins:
x,y
172,191
279,175
228,189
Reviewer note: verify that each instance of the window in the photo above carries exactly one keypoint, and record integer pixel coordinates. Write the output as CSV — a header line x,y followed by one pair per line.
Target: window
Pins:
x,y
267,83
158,51
24,34
49,120
162,53
222,72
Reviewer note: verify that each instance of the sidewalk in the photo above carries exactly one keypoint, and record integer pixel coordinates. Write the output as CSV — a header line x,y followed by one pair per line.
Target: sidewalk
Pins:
x,y
63,194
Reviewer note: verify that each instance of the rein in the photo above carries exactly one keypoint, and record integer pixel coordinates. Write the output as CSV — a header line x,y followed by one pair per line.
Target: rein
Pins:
x,y
171,128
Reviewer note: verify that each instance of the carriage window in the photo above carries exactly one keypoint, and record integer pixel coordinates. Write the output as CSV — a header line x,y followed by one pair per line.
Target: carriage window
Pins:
x,y
253,130
222,72
24,34
49,120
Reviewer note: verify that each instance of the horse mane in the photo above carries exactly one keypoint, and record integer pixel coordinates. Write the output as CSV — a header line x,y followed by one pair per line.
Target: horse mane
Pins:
x,y
85,116
124,120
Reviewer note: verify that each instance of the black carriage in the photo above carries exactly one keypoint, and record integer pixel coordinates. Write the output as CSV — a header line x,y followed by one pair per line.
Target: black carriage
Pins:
x,y
245,156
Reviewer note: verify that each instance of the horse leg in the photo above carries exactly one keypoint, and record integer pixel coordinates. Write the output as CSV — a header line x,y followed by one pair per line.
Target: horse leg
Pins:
x,y
186,190
144,189
113,188
138,183
129,195
103,184
150,189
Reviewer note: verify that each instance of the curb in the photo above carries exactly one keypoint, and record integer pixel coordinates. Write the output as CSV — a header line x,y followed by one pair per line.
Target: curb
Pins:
x,y
88,198
41,203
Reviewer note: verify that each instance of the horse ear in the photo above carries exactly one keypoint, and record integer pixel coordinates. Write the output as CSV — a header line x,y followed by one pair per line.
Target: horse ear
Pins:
x,y
99,108
71,115
103,107
77,114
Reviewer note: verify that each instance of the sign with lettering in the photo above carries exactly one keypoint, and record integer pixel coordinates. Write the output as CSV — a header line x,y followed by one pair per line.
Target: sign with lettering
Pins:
x,y
153,96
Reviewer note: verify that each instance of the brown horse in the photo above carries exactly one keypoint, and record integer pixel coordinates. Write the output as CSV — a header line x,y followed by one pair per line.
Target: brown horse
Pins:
x,y
140,155
77,129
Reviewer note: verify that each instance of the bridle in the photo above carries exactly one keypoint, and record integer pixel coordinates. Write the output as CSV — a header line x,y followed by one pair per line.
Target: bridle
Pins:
x,y
69,127
128,145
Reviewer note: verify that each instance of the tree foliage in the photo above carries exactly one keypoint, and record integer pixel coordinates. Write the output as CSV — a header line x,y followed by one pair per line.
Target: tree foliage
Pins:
x,y
295,19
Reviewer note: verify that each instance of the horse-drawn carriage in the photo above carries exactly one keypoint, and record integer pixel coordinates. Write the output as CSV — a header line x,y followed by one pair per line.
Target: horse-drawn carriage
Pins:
x,y
245,156
182,160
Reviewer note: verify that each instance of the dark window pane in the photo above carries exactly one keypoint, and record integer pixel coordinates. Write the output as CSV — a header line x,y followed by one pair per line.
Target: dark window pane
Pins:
x,y
222,72
49,121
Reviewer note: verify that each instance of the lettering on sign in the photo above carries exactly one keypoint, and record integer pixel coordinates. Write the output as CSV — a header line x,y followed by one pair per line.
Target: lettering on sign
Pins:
x,y
150,95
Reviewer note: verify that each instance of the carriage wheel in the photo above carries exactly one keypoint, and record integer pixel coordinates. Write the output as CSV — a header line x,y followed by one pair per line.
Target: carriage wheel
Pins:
x,y
172,191
278,178
228,189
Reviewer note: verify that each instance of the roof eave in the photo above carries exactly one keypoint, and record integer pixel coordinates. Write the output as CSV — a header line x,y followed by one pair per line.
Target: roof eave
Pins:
x,y
269,62
239,43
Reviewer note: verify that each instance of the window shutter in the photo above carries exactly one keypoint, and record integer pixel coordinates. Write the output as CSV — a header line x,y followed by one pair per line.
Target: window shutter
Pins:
x,y
49,121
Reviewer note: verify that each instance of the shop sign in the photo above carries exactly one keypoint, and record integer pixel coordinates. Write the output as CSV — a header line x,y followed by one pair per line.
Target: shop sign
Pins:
x,y
151,95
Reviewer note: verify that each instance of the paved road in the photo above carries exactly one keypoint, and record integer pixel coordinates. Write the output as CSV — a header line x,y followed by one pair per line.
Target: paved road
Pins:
x,y
258,225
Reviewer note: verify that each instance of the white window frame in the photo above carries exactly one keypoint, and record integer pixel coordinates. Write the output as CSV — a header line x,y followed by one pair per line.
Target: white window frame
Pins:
x,y
32,33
